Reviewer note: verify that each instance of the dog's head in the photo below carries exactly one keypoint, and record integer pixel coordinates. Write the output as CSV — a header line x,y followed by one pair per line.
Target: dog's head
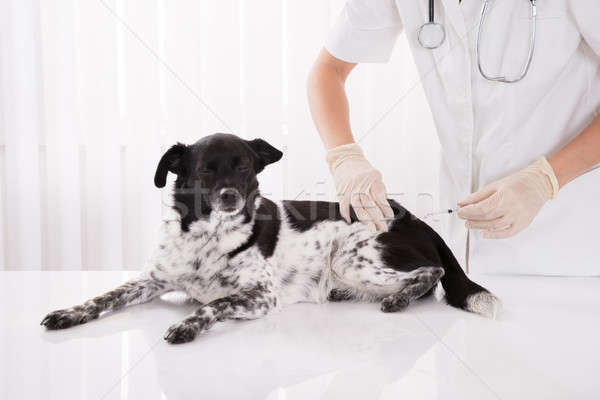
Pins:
x,y
218,171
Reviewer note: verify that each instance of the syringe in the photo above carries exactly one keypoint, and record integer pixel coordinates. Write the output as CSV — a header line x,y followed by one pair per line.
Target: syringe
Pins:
x,y
431,214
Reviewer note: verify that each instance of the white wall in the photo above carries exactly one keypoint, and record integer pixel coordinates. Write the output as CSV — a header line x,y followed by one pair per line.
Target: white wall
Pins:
x,y
92,92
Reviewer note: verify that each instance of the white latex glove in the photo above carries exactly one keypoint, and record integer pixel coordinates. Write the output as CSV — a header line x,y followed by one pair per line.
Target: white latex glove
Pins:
x,y
507,206
360,185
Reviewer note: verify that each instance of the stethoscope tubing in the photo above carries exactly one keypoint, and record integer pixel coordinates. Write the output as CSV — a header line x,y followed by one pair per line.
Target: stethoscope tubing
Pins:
x,y
431,11
525,69
484,11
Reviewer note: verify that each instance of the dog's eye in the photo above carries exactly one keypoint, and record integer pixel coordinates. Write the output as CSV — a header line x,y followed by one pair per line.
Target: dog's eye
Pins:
x,y
243,168
205,171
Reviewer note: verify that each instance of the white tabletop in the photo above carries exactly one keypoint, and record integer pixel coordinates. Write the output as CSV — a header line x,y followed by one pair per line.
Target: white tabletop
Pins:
x,y
544,345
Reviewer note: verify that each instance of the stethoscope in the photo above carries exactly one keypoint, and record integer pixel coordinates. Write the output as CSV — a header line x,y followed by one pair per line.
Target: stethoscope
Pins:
x,y
431,35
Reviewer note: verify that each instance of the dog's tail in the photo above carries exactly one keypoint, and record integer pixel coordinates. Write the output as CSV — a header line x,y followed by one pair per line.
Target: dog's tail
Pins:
x,y
461,292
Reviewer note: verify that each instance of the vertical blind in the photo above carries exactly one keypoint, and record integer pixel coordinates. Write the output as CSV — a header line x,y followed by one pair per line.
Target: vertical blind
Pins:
x,y
93,91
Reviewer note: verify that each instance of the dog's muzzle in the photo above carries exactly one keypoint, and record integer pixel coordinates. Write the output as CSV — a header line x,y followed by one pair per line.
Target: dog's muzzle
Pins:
x,y
229,200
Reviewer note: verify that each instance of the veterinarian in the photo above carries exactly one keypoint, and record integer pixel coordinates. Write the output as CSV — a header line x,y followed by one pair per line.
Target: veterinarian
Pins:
x,y
514,130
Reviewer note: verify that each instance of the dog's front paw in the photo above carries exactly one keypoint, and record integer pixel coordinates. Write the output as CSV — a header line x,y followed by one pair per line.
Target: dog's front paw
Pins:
x,y
62,319
183,332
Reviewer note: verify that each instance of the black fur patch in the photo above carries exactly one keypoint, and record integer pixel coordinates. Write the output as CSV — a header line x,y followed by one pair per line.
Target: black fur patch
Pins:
x,y
265,231
411,243
303,215
408,245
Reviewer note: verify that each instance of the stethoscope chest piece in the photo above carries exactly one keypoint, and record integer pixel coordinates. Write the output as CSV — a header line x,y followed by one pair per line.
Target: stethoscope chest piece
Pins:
x,y
431,35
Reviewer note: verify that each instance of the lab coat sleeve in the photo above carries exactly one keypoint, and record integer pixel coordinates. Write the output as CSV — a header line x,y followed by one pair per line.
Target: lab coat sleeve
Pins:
x,y
366,31
586,14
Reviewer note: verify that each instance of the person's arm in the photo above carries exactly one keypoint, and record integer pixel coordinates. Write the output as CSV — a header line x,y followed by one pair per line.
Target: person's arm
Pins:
x,y
507,206
365,31
328,101
358,183
580,155
583,152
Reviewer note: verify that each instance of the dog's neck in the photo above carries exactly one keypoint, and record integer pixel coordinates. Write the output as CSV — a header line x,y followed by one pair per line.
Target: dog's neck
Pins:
x,y
190,208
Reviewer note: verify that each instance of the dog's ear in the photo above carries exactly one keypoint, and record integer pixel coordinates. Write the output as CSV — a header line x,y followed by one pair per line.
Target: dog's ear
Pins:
x,y
171,161
266,153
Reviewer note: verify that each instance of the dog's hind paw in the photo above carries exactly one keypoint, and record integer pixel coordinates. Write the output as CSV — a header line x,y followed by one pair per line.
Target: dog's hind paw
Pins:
x,y
394,303
62,319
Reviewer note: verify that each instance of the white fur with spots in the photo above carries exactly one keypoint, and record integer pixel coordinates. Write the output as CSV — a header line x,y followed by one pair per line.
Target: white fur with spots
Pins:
x,y
305,267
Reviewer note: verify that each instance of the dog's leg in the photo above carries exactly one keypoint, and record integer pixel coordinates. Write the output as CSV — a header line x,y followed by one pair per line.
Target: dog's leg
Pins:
x,y
133,292
424,279
248,304
367,279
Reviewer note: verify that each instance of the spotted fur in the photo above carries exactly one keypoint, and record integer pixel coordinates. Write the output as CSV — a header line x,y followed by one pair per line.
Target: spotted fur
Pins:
x,y
243,263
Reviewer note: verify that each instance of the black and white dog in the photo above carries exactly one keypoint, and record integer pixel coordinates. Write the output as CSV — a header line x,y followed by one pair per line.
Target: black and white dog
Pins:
x,y
243,256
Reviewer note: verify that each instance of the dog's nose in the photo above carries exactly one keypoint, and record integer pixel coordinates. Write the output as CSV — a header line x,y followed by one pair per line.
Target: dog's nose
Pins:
x,y
229,196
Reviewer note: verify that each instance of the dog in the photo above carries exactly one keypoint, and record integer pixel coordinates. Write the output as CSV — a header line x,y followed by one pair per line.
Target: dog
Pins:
x,y
243,256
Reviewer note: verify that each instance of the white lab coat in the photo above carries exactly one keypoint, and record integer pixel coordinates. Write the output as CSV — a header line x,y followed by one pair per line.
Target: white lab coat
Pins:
x,y
488,129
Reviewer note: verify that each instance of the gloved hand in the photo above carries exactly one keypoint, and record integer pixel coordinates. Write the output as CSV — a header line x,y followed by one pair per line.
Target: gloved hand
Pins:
x,y
507,206
360,185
